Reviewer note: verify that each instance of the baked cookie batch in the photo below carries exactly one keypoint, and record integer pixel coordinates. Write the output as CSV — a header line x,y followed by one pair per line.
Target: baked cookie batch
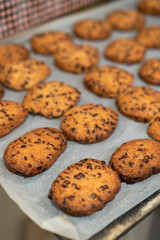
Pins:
x,y
89,184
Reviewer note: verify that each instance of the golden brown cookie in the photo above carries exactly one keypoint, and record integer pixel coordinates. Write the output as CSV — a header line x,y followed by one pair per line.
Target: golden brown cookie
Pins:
x,y
150,71
49,42
149,6
125,51
12,114
154,127
77,59
139,103
1,91
92,29
35,151
108,81
89,123
126,19
24,74
149,37
10,53
51,99
85,187
136,160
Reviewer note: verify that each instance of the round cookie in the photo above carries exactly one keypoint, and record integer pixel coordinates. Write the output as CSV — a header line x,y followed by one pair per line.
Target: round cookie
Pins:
x,y
108,81
92,29
150,71
24,74
51,99
136,160
149,6
77,59
126,19
89,123
125,51
149,37
85,187
35,151
1,91
10,53
49,42
139,103
154,127
12,114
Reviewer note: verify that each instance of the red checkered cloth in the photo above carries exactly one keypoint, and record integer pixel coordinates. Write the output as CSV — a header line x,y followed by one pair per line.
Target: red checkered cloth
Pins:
x,y
17,15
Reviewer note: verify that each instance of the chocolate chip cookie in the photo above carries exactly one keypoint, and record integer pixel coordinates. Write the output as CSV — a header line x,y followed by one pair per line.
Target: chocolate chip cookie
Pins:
x,y
139,103
92,29
126,19
51,99
136,160
35,151
108,81
125,51
24,74
77,59
12,114
85,187
150,71
89,123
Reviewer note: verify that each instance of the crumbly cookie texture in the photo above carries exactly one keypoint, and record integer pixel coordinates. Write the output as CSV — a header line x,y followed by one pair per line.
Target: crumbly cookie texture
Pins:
x,y
35,151
126,19
108,81
150,71
149,6
12,114
136,160
24,74
85,187
51,99
49,42
10,53
77,59
149,37
125,51
92,29
89,123
154,127
139,103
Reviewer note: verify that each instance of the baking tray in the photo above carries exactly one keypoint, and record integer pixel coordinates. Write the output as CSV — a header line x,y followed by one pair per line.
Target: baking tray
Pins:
x,y
31,194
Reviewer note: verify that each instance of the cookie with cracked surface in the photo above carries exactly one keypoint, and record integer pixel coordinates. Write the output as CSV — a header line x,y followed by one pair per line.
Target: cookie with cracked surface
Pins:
x,y
149,37
139,103
12,114
35,151
77,59
49,42
154,127
125,51
149,6
89,123
136,160
85,187
108,81
10,53
1,91
92,29
24,74
150,71
126,19
51,99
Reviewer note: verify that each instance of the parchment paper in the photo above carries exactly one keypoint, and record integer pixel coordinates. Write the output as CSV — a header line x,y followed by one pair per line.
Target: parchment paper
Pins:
x,y
31,193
